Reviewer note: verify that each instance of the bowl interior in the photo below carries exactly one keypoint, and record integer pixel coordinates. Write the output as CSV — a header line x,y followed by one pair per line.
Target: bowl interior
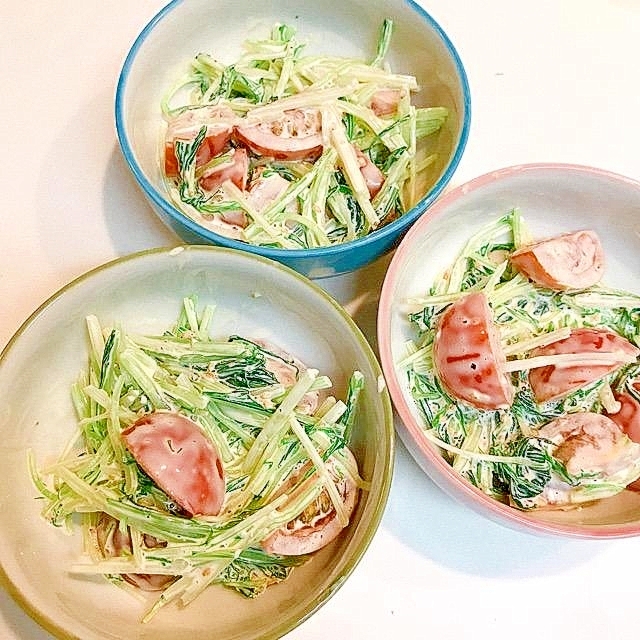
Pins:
x,y
552,199
253,297
183,29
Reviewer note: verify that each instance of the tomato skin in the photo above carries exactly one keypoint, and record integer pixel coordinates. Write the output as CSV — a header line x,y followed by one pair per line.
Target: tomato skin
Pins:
x,y
552,382
567,261
171,168
219,122
174,452
237,171
296,135
468,357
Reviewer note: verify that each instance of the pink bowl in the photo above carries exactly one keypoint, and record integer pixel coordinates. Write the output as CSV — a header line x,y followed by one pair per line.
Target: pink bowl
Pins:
x,y
552,198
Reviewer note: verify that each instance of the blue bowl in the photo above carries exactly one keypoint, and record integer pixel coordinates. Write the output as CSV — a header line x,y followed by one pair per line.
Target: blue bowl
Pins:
x,y
184,28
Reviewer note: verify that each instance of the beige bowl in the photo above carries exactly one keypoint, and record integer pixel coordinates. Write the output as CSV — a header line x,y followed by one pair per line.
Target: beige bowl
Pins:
x,y
253,297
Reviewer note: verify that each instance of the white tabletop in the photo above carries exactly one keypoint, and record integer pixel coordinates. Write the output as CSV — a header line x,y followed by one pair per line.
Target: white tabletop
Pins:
x,y
550,81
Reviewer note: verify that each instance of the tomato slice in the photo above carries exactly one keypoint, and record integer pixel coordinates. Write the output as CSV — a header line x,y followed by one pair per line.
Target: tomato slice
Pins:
x,y
219,122
384,102
174,452
468,357
586,442
319,524
236,170
295,135
552,382
113,540
568,261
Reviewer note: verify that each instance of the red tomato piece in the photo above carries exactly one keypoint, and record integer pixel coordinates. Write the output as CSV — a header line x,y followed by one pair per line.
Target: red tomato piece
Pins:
x,y
373,177
171,167
312,531
210,147
551,382
236,170
295,135
468,356
219,122
385,102
568,261
113,540
178,457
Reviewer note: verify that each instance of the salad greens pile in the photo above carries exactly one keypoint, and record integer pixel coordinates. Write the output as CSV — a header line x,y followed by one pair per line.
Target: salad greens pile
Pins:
x,y
326,201
499,451
253,420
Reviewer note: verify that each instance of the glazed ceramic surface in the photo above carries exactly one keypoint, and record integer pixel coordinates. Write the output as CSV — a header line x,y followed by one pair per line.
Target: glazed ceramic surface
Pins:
x,y
143,292
552,199
184,28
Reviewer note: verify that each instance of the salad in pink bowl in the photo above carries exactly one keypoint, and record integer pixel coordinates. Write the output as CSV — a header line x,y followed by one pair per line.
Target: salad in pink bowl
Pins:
x,y
509,338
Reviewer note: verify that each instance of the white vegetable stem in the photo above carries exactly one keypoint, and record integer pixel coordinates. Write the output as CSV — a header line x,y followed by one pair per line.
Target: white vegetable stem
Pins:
x,y
334,130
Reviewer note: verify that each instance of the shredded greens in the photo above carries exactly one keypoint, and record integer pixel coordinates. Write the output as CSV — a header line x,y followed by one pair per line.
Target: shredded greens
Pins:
x,y
258,422
319,200
499,451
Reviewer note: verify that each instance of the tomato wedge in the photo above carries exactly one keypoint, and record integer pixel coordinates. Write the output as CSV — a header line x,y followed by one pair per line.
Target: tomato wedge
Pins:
x,y
468,357
551,382
112,540
295,135
568,261
319,524
235,169
174,452
219,122
373,177
586,442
